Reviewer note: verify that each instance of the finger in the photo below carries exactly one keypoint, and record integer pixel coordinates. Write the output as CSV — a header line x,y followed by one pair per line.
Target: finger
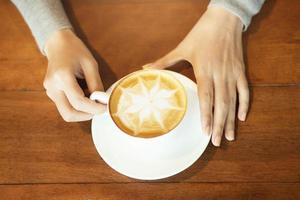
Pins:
x,y
205,92
171,58
68,113
77,99
230,120
91,73
243,91
220,111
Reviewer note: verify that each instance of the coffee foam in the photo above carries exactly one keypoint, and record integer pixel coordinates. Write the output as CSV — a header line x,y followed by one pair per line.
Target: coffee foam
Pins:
x,y
148,103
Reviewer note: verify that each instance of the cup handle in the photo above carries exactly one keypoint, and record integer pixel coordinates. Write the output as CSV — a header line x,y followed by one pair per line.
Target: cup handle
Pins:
x,y
102,97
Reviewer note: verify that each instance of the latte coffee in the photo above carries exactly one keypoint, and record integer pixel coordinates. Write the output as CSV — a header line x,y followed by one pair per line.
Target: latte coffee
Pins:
x,y
148,103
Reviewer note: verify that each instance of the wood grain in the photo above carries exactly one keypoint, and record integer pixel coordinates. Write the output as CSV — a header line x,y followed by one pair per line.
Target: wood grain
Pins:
x,y
37,146
125,34
154,191
42,157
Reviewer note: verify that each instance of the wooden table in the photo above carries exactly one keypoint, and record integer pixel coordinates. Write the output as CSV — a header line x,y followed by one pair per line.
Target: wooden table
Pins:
x,y
42,157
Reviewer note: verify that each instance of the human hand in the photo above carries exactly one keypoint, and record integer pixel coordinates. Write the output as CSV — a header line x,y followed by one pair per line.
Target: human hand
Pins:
x,y
68,59
214,48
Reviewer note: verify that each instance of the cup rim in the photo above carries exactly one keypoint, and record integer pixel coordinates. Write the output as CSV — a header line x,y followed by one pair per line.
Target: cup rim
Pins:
x,y
116,84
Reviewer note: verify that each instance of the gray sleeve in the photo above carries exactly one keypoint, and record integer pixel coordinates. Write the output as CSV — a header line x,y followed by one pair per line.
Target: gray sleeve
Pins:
x,y
43,18
244,9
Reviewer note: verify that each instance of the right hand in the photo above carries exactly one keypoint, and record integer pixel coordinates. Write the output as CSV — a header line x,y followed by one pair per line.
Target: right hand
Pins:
x,y
214,48
68,59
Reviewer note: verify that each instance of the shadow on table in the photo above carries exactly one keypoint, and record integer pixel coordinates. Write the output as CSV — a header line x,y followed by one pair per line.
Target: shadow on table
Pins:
x,y
196,168
265,12
199,165
254,28
86,126
107,75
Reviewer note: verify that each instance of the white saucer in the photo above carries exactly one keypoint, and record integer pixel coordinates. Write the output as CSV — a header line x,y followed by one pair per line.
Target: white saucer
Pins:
x,y
151,159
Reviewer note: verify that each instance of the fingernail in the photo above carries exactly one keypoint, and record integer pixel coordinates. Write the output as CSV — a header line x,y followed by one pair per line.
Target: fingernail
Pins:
x,y
242,116
230,135
217,141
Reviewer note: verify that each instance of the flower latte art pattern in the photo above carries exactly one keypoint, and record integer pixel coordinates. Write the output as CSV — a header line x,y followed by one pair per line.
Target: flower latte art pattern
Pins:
x,y
148,103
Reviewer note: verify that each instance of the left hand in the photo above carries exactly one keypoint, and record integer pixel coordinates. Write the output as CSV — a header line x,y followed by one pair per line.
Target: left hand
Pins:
x,y
68,59
214,48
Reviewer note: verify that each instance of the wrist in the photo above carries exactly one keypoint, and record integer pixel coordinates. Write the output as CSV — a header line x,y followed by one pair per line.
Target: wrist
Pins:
x,y
224,18
58,38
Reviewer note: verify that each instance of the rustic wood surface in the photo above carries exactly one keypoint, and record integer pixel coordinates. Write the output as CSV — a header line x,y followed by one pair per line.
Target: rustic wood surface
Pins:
x,y
150,191
42,157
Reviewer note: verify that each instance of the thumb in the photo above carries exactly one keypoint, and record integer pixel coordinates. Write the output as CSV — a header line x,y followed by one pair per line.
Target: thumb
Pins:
x,y
168,60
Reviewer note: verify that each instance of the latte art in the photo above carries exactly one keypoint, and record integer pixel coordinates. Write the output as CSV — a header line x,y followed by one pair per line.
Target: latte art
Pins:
x,y
148,103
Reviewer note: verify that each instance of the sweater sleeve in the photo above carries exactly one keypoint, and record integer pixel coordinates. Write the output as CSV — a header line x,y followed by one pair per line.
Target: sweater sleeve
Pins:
x,y
244,9
43,18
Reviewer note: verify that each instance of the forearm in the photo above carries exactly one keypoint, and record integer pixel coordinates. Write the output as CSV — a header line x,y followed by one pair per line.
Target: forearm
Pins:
x,y
43,17
244,9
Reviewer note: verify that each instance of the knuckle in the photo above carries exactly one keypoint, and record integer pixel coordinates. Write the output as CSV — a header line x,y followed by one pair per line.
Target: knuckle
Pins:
x,y
46,83
51,95
239,63
219,128
230,122
59,75
241,67
68,117
207,94
225,101
91,63
76,105
48,94
245,85
206,119
232,100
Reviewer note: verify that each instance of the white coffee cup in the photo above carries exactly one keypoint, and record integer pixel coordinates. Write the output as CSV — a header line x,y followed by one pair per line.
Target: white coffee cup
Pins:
x,y
104,97
151,158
